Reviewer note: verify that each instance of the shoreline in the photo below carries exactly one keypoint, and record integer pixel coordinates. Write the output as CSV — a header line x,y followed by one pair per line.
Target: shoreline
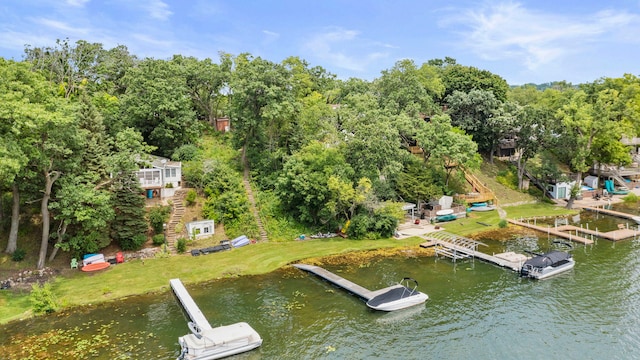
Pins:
x,y
152,275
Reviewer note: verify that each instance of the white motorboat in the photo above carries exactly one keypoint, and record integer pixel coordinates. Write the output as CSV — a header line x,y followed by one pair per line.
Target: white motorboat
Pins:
x,y
216,343
548,264
398,297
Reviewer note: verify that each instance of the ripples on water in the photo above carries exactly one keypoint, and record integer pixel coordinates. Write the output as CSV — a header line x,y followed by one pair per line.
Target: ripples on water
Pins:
x,y
475,311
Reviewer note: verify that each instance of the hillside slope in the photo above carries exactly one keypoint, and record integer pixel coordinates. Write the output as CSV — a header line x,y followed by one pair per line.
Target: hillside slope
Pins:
x,y
506,196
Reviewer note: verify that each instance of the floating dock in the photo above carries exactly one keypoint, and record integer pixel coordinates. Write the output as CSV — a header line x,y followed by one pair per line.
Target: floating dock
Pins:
x,y
192,310
458,247
344,283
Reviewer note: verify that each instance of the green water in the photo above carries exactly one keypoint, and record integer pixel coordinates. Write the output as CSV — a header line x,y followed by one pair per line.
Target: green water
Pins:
x,y
475,311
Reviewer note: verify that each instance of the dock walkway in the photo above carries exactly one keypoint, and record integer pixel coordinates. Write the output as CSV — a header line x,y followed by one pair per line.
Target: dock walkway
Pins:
x,y
193,311
619,214
344,283
459,247
555,232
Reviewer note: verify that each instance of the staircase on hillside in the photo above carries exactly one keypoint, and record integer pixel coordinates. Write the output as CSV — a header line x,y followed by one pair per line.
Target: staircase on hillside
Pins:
x,y
481,193
252,202
176,217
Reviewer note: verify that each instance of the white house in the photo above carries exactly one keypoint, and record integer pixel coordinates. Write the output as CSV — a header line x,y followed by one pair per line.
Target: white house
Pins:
x,y
161,177
561,190
202,228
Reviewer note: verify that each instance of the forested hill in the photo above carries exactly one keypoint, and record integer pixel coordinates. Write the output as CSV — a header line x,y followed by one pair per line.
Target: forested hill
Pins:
x,y
77,120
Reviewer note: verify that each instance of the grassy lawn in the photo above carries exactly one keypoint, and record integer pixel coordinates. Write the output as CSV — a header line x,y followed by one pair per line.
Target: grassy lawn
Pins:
x,y
75,288
137,277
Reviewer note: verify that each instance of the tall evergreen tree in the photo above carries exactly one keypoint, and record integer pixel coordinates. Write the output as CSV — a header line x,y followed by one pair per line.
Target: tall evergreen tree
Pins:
x,y
129,226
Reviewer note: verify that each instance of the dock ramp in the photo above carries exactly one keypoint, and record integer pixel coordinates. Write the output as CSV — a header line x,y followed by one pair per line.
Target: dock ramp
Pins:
x,y
189,306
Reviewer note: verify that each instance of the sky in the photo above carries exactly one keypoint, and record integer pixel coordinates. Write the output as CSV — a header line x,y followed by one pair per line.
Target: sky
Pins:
x,y
532,41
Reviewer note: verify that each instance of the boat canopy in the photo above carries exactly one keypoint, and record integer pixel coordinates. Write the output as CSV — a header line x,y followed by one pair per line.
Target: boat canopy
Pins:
x,y
548,259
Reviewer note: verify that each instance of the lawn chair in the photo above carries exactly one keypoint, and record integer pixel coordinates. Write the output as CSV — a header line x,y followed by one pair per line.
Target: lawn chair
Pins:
x,y
74,263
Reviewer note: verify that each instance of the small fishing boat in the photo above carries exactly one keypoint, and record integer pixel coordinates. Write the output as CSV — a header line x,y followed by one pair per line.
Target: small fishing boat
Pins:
x,y
548,264
216,343
399,297
95,266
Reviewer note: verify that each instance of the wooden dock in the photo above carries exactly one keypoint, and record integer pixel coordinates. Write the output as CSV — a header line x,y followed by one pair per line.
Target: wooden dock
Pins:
x,y
192,310
458,247
635,218
344,283
615,235
555,232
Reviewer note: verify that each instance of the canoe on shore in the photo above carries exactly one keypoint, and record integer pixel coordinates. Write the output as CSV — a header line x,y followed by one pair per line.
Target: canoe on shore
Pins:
x,y
95,266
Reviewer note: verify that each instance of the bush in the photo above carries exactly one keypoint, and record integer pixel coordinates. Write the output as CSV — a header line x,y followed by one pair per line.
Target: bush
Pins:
x,y
133,243
181,245
42,299
630,198
191,197
158,239
18,255
158,215
503,224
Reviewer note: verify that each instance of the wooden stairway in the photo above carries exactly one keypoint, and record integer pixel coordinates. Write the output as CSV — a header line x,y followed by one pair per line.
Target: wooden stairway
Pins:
x,y
252,203
176,216
481,192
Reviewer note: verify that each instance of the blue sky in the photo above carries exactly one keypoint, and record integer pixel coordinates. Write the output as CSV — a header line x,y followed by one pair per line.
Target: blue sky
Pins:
x,y
523,41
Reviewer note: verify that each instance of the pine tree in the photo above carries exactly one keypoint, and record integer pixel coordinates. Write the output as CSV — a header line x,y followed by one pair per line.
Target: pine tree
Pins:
x,y
97,144
129,228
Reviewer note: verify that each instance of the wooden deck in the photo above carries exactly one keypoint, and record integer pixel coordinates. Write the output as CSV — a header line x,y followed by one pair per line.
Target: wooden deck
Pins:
x,y
344,283
555,232
458,247
189,306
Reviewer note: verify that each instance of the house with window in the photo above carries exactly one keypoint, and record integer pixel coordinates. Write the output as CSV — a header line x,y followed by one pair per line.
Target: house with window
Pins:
x,y
201,228
160,177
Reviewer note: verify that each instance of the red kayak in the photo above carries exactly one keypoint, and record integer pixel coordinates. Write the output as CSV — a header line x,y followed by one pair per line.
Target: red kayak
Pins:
x,y
96,266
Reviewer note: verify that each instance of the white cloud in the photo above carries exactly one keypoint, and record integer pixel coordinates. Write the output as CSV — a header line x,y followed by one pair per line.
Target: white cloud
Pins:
x,y
158,9
60,26
510,31
76,3
144,38
344,49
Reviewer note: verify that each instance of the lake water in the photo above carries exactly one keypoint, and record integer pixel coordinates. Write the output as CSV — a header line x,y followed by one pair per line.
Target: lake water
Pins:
x,y
475,311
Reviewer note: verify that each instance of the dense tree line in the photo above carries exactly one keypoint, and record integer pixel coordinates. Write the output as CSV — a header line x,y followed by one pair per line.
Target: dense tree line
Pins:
x,y
76,120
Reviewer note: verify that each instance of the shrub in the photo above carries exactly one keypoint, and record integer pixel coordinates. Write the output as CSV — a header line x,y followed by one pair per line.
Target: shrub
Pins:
x,y
158,215
18,255
631,198
191,197
42,299
133,243
158,239
503,224
181,245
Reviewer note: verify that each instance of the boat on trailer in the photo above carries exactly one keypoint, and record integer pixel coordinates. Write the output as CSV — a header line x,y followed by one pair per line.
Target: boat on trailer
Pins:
x,y
548,264
400,297
219,342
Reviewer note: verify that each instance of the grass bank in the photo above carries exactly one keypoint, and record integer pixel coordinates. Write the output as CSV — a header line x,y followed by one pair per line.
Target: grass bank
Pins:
x,y
75,288
138,277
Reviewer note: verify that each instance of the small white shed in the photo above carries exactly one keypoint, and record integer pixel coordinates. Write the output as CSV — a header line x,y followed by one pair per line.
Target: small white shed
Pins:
x,y
201,228
561,190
